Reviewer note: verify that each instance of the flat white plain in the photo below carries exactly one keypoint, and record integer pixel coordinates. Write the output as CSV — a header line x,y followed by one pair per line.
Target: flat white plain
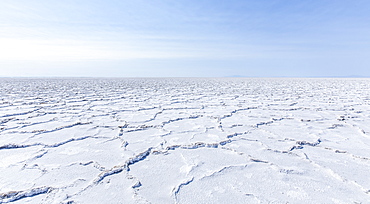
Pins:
x,y
184,140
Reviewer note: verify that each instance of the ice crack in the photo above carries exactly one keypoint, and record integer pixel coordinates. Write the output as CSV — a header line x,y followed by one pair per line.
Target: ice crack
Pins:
x,y
124,167
303,143
177,189
16,195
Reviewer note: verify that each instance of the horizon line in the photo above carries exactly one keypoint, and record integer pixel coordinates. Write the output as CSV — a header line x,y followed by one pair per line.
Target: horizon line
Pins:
x,y
232,76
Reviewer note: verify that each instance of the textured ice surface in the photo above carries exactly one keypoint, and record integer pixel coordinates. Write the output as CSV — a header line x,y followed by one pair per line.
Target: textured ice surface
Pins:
x,y
181,140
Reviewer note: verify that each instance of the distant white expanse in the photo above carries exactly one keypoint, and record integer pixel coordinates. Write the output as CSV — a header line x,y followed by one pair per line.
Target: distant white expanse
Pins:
x,y
184,140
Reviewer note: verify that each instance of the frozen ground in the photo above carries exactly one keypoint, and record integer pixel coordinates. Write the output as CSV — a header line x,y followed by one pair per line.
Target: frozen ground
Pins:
x,y
185,140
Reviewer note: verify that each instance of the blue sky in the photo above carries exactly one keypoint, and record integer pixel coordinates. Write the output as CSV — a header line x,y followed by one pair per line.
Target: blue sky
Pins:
x,y
201,38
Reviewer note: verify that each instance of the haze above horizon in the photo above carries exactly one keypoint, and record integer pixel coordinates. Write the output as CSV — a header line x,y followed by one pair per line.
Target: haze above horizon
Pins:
x,y
95,38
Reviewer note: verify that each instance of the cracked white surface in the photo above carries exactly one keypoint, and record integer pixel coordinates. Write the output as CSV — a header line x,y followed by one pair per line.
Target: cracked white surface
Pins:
x,y
184,140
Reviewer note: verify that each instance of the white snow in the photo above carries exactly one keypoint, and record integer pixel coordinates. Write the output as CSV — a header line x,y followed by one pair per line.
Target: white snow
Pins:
x,y
184,140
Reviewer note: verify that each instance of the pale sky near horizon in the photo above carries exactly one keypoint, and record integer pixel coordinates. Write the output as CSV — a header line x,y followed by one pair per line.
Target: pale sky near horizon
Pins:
x,y
167,38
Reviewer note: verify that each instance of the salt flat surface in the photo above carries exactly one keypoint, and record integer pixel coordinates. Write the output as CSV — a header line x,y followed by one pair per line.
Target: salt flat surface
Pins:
x,y
230,140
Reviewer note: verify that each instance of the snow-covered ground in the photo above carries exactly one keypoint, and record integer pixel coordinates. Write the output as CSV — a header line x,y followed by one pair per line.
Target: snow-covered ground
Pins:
x,y
177,140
